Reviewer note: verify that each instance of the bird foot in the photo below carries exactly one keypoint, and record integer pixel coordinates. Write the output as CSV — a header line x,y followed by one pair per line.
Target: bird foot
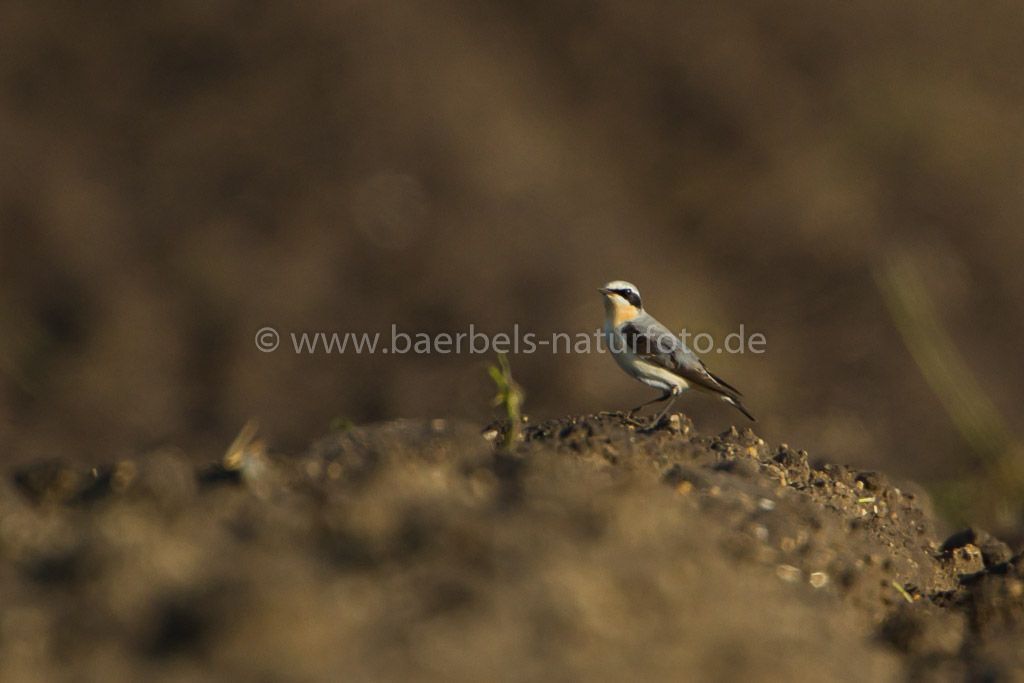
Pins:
x,y
628,419
658,422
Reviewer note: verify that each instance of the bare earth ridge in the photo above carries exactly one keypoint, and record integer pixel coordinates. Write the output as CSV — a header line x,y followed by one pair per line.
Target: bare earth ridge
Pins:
x,y
596,550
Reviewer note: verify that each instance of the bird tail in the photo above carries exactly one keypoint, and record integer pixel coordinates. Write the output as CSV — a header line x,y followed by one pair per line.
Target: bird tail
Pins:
x,y
739,406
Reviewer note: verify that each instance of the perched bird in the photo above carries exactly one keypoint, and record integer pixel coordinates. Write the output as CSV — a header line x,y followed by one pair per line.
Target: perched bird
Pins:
x,y
649,352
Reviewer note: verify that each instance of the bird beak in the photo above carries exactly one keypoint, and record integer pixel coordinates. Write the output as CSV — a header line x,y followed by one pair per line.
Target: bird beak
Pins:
x,y
603,290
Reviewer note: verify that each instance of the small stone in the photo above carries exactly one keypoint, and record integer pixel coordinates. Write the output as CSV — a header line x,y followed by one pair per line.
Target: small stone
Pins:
x,y
872,481
788,573
677,475
123,475
314,468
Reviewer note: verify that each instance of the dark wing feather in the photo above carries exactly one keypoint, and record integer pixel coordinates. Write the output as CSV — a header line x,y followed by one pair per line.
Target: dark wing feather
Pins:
x,y
721,381
639,342
657,345
694,371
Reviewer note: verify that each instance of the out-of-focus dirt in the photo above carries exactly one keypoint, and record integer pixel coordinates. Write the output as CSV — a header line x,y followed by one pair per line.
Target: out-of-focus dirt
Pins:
x,y
417,551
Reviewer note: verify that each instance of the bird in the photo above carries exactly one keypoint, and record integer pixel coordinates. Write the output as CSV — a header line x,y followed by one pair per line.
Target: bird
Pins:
x,y
647,351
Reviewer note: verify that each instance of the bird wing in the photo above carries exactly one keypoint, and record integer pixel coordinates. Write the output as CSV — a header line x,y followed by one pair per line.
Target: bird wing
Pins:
x,y
653,342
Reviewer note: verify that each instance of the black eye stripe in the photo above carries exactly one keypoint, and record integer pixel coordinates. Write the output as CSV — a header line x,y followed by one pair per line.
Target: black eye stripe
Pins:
x,y
630,296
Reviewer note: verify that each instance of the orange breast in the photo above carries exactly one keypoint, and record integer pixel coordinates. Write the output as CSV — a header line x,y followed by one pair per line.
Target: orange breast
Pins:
x,y
623,314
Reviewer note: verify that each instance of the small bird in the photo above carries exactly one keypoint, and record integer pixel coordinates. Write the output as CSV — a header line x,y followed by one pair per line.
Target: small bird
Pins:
x,y
649,352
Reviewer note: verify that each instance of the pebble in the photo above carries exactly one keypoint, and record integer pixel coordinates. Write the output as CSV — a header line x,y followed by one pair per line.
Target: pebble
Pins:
x,y
788,573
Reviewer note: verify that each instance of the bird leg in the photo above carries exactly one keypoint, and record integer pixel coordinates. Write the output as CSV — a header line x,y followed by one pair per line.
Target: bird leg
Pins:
x,y
664,397
673,395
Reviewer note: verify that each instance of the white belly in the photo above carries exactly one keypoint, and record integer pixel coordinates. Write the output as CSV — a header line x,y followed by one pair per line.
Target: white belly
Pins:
x,y
655,376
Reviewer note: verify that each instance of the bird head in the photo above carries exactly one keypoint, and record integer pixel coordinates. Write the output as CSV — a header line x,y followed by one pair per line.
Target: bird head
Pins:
x,y
621,300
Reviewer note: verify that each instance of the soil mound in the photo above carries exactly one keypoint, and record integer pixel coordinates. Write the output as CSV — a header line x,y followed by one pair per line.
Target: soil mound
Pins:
x,y
599,548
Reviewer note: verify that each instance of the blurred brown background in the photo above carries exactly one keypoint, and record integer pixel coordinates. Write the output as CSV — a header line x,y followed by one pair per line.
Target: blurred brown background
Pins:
x,y
177,176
